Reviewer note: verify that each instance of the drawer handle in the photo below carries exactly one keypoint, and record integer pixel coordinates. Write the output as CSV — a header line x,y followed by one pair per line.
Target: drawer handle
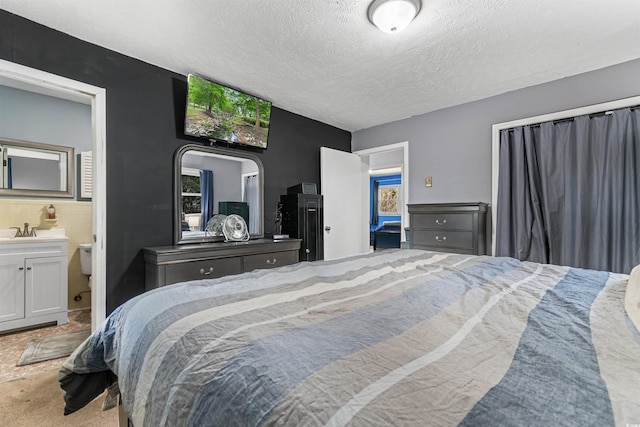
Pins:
x,y
441,239
443,222
272,261
206,273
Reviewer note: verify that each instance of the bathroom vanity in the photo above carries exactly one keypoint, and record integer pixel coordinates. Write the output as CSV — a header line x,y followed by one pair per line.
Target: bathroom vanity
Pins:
x,y
33,289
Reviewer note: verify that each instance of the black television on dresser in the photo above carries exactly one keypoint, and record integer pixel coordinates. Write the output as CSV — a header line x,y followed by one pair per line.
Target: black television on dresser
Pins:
x,y
222,114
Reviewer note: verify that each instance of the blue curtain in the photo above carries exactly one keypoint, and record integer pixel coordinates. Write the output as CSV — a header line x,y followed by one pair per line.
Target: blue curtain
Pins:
x,y
568,192
251,197
206,192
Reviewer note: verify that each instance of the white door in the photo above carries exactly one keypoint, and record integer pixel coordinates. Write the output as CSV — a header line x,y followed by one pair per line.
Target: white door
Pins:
x,y
344,183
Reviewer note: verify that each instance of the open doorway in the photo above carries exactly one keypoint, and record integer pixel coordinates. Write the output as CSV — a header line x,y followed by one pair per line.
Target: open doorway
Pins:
x,y
385,207
388,194
345,179
30,79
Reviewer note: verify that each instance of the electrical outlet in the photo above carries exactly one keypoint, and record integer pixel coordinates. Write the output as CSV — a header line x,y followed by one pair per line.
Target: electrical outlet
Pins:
x,y
428,182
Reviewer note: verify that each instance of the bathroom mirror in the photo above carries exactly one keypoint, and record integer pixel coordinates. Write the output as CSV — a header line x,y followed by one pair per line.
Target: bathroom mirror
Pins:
x,y
210,181
36,170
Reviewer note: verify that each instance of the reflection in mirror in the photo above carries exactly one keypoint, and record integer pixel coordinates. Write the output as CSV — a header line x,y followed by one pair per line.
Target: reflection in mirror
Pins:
x,y
211,181
34,169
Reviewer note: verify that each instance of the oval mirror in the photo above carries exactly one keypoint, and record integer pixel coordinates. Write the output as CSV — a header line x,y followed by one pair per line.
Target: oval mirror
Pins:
x,y
209,182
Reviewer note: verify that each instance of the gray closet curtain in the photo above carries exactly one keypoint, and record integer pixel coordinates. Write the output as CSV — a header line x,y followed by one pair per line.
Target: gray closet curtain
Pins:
x,y
252,198
569,192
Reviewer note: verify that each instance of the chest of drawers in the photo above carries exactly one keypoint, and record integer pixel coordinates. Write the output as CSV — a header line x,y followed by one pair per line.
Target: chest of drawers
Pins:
x,y
172,264
449,227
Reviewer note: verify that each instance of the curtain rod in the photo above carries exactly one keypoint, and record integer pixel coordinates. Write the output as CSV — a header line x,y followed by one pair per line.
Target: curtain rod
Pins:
x,y
592,115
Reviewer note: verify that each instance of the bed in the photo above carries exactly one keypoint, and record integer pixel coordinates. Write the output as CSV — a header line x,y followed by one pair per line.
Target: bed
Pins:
x,y
398,337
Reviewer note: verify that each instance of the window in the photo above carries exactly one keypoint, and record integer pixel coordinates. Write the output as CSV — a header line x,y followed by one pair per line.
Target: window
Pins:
x,y
389,202
191,196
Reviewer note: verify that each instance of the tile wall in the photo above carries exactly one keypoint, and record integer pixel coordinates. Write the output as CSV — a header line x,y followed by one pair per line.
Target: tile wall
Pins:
x,y
73,216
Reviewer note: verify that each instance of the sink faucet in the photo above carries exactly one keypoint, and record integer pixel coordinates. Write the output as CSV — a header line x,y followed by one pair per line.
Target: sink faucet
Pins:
x,y
25,232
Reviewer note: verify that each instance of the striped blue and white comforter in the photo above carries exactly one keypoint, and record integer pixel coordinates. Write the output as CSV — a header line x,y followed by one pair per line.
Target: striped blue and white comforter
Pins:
x,y
400,337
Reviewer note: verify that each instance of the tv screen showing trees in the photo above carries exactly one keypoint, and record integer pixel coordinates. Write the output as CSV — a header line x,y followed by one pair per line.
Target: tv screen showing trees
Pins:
x,y
220,113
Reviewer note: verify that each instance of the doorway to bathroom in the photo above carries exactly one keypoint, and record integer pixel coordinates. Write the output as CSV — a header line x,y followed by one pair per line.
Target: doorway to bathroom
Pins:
x,y
18,77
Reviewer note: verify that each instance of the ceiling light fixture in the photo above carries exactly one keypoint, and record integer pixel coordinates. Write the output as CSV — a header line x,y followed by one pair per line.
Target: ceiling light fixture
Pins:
x,y
392,16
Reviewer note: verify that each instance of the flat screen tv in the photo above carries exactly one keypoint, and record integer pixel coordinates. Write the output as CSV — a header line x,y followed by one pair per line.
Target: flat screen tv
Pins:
x,y
220,113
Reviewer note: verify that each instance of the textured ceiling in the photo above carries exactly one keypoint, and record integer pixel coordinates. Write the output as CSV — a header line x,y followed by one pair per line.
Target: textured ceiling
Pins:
x,y
323,59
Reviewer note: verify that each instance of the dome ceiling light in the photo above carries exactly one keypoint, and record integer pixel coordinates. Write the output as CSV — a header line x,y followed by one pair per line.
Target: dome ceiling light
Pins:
x,y
392,16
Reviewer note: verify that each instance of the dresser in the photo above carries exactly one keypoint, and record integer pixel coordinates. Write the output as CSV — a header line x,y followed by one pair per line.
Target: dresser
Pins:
x,y
449,227
165,265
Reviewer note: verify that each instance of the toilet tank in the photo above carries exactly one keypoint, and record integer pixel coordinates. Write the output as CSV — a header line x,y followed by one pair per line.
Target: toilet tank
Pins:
x,y
85,258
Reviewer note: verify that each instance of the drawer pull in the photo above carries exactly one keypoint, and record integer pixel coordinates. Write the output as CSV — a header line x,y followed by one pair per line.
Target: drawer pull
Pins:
x,y
441,239
272,261
206,273
443,222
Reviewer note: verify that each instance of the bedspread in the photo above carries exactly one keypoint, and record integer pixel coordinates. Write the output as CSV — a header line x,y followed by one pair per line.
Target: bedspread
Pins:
x,y
400,337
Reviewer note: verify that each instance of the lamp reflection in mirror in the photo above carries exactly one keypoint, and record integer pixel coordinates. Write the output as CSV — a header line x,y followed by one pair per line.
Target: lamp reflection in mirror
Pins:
x,y
392,16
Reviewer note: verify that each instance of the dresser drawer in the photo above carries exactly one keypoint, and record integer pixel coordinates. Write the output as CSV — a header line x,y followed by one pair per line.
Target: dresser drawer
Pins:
x,y
205,269
443,239
165,265
270,260
444,221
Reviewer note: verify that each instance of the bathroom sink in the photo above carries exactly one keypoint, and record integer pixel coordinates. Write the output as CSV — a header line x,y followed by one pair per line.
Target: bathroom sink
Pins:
x,y
8,236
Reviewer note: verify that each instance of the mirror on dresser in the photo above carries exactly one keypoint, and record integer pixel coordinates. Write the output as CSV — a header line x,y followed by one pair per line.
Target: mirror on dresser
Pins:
x,y
35,169
209,181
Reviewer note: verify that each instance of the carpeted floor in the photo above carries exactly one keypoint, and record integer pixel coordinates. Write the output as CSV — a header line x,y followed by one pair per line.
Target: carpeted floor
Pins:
x,y
37,401
31,394
12,346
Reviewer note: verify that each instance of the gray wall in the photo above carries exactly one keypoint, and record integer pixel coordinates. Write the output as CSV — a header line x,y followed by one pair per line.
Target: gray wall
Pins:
x,y
453,145
386,159
33,117
27,174
227,176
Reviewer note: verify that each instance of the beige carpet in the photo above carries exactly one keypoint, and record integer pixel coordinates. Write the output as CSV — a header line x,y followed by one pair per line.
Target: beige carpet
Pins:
x,y
37,401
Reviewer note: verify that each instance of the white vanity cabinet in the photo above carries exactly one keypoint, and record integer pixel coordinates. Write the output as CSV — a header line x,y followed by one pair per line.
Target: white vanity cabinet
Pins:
x,y
33,282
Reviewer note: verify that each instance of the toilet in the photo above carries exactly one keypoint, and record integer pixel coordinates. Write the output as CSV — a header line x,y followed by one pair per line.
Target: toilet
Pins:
x,y
85,260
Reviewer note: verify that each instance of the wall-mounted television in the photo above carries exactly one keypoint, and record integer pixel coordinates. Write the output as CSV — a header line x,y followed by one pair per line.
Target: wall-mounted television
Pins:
x,y
222,114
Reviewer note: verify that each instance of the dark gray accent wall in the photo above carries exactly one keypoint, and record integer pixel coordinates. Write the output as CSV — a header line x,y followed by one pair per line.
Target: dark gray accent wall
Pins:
x,y
453,145
145,110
